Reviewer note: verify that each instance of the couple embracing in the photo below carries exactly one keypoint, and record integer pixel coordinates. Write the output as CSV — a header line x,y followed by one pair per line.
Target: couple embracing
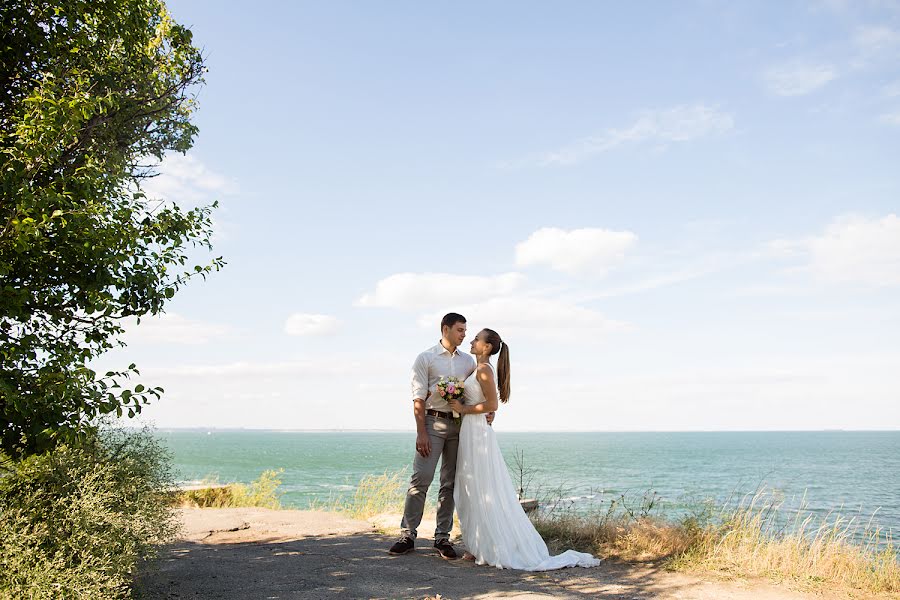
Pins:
x,y
473,477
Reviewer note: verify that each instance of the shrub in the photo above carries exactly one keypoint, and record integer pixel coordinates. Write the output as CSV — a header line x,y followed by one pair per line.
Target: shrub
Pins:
x,y
75,521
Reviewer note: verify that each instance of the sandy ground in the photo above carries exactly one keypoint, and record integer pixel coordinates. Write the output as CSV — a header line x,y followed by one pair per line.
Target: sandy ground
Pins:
x,y
249,553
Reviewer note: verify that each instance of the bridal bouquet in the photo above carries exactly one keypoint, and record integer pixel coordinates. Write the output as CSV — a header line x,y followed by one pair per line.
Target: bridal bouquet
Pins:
x,y
451,388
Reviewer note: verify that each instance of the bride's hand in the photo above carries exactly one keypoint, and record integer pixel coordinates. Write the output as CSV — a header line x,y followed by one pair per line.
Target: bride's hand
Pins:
x,y
455,406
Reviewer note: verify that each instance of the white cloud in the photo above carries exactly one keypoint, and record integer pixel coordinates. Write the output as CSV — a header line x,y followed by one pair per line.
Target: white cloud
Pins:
x,y
324,367
892,90
766,392
537,318
796,248
172,328
429,290
587,250
891,118
798,77
672,277
186,180
851,250
678,124
296,393
875,39
311,324
808,394
855,249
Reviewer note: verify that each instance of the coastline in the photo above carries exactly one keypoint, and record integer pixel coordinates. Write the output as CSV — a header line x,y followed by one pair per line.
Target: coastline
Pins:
x,y
235,553
200,429
715,542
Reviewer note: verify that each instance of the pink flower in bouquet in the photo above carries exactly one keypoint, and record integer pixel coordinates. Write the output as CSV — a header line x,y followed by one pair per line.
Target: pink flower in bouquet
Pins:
x,y
451,389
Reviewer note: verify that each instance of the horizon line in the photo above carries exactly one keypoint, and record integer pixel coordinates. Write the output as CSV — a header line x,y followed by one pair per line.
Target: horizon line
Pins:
x,y
341,430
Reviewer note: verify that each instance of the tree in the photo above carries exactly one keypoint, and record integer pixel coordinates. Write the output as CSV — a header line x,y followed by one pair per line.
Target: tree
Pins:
x,y
92,94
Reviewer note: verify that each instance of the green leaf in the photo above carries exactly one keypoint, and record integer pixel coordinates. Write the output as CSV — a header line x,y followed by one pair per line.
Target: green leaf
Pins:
x,y
73,61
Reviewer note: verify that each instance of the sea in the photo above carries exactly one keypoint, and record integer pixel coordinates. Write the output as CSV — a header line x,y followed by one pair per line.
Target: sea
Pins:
x,y
851,476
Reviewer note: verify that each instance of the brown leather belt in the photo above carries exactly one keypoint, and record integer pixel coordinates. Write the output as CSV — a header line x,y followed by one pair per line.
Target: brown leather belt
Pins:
x,y
438,414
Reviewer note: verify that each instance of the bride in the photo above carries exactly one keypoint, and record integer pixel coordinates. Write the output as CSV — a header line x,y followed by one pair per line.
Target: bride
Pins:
x,y
495,528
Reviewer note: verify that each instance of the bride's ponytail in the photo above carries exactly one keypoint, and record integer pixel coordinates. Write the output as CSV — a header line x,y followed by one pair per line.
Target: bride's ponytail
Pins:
x,y
498,345
503,372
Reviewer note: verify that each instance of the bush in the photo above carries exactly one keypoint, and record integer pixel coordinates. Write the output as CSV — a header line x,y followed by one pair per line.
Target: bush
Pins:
x,y
75,521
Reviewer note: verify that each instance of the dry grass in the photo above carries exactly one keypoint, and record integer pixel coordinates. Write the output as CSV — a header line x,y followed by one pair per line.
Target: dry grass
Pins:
x,y
621,531
756,539
379,496
263,492
375,495
753,539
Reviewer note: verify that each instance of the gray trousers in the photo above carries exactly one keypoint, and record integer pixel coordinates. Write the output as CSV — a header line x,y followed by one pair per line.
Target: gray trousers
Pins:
x,y
444,435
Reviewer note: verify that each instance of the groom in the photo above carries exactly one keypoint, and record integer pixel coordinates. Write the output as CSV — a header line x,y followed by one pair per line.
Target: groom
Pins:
x,y
437,436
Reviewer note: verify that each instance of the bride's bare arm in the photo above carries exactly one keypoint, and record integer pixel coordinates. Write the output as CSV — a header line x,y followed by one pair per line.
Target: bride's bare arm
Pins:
x,y
485,377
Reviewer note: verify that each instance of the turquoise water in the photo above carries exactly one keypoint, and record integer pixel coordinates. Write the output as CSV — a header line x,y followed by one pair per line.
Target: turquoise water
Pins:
x,y
850,473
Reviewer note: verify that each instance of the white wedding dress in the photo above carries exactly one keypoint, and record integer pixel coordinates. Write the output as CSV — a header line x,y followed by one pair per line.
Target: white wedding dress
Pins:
x,y
495,528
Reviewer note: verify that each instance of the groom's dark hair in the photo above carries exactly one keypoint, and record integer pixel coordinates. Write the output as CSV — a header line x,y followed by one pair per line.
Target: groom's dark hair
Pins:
x,y
451,319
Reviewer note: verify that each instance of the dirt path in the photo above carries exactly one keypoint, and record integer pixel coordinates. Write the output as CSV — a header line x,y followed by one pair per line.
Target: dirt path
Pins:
x,y
251,553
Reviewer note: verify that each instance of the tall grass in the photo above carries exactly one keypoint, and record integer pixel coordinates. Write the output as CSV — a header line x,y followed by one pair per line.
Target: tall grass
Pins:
x,y
627,528
755,538
262,492
375,495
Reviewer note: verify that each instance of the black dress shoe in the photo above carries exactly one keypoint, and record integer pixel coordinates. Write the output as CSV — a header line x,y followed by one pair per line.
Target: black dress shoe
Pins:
x,y
403,545
445,549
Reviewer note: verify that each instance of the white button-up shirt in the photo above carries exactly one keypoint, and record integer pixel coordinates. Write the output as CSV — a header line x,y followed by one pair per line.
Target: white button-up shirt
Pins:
x,y
430,366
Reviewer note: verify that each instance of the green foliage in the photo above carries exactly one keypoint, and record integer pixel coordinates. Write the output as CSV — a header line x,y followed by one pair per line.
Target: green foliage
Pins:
x,y
75,521
90,91
262,492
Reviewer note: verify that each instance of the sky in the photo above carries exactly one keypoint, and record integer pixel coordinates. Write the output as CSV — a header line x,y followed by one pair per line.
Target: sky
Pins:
x,y
679,216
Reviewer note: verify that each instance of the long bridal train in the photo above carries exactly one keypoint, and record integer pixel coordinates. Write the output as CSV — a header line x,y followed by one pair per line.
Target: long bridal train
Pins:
x,y
494,526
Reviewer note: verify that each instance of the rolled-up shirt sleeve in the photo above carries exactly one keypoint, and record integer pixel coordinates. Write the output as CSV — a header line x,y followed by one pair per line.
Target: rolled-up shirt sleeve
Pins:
x,y
420,377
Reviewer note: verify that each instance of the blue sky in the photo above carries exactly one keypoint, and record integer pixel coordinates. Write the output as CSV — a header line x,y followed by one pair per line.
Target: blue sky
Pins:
x,y
680,216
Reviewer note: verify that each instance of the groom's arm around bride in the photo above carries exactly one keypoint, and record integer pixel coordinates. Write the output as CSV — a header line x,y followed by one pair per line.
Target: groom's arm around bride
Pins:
x,y
437,436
